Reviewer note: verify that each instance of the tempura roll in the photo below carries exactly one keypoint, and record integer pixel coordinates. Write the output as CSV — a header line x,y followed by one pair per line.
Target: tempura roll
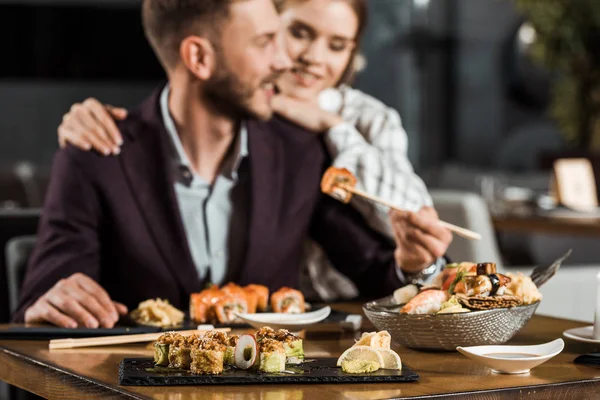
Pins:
x,y
229,357
262,296
179,352
207,357
288,300
271,356
292,345
225,308
161,348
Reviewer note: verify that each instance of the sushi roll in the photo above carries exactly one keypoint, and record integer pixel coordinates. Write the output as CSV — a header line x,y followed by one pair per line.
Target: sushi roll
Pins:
x,y
226,341
179,351
287,300
224,309
229,357
161,348
207,357
237,291
246,352
262,296
292,345
201,303
333,178
271,356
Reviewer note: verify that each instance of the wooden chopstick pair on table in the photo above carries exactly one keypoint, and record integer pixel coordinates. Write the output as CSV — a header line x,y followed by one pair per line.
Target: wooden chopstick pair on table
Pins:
x,y
118,339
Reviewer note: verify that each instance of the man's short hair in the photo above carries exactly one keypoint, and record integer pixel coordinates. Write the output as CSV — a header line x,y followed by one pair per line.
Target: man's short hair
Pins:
x,y
167,22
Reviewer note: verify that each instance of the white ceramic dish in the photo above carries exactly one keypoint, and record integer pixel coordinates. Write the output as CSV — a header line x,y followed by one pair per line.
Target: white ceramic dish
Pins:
x,y
291,322
513,359
583,334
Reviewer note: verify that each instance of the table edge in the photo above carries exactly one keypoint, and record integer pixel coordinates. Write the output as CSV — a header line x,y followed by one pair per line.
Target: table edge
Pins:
x,y
55,368
505,390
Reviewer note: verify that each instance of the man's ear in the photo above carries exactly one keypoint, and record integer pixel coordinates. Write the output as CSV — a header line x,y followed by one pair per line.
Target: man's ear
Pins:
x,y
198,55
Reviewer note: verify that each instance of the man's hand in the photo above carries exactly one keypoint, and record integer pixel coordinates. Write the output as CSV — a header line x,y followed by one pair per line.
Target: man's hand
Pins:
x,y
305,113
76,301
420,240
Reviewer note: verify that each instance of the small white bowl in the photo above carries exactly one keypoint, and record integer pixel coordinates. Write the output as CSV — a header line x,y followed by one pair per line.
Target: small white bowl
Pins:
x,y
291,322
513,359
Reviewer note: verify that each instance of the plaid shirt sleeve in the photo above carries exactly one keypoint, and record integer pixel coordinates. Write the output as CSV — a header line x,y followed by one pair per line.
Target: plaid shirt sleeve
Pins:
x,y
372,144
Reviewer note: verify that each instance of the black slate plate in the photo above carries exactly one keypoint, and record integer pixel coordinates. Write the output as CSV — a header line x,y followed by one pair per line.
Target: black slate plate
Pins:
x,y
134,372
126,326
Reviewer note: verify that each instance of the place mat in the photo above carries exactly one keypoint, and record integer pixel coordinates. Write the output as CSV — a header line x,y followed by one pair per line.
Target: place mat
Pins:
x,y
141,372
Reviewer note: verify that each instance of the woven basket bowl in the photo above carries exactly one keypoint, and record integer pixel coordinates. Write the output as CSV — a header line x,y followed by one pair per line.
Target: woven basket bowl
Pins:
x,y
447,331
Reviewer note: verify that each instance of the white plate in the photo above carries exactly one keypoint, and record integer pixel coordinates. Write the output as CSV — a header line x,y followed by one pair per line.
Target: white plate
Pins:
x,y
521,359
291,322
583,334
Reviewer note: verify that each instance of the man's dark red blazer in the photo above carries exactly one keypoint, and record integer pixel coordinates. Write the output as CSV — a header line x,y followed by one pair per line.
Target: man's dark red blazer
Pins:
x,y
116,219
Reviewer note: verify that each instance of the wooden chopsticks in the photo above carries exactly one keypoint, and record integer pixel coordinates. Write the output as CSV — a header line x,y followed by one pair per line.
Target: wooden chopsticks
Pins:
x,y
468,234
119,339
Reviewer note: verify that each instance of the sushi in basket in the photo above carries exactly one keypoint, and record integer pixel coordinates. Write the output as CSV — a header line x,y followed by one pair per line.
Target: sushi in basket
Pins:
x,y
468,304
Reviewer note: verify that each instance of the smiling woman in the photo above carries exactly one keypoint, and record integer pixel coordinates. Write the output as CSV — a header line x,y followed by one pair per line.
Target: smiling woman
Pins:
x,y
322,40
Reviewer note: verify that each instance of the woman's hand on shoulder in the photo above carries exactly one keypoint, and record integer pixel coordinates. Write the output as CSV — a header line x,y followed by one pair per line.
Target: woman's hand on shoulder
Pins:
x,y
90,125
305,113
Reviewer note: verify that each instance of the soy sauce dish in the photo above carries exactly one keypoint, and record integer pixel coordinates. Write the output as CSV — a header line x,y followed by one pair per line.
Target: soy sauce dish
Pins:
x,y
513,359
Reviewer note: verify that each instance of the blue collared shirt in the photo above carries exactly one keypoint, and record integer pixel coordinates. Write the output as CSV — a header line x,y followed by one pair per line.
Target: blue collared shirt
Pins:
x,y
207,211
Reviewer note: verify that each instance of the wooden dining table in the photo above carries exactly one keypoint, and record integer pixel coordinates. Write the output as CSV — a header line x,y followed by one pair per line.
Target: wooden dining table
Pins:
x,y
90,373
529,222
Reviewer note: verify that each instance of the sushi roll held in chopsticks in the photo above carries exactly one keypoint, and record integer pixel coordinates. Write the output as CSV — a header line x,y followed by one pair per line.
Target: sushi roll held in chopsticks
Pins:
x,y
271,356
288,300
207,356
333,182
161,348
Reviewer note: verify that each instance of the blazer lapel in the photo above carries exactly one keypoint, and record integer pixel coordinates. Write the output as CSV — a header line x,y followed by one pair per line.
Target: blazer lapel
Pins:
x,y
266,184
145,162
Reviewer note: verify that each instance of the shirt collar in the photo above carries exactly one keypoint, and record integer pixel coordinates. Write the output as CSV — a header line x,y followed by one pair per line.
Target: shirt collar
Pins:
x,y
179,156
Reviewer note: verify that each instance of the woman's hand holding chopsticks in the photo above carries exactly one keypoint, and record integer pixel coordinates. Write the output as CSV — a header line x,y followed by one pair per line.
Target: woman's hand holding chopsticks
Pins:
x,y
420,239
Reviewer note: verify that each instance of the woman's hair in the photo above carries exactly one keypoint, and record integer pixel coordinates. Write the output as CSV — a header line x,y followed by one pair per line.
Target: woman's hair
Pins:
x,y
360,9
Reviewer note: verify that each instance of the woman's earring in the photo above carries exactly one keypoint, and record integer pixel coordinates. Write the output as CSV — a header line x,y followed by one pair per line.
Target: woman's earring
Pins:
x,y
359,62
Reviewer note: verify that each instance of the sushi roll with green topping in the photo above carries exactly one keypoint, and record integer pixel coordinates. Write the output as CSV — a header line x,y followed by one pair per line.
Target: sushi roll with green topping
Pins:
x,y
161,348
229,357
271,356
292,345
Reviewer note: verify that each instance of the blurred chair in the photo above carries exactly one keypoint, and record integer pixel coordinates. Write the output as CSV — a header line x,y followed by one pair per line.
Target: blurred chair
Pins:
x,y
468,210
13,223
18,251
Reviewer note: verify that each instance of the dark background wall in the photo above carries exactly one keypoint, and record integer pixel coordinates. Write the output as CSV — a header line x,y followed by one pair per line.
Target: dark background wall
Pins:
x,y
442,63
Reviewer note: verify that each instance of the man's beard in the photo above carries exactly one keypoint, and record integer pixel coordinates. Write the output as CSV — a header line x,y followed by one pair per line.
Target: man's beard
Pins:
x,y
229,96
